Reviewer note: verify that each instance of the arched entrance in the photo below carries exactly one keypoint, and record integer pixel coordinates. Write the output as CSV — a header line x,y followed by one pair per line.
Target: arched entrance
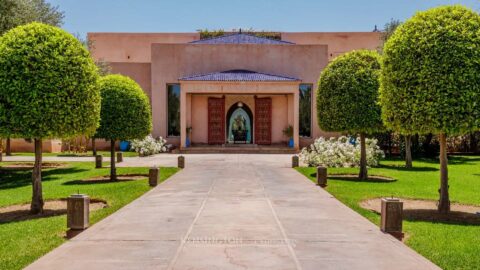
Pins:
x,y
239,124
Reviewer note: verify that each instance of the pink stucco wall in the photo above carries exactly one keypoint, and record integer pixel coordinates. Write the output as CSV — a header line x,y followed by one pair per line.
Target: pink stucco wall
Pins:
x,y
338,42
140,72
199,119
132,47
173,61
48,146
155,59
279,117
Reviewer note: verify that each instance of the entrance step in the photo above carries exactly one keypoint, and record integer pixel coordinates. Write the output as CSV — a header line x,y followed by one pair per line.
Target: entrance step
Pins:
x,y
238,149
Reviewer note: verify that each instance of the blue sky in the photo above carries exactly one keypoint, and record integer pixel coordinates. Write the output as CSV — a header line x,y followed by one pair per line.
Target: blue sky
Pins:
x,y
84,16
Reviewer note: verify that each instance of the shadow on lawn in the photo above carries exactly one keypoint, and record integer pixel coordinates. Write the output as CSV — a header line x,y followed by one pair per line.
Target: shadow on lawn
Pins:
x,y
104,179
403,169
21,212
454,160
19,178
23,215
94,182
354,178
433,216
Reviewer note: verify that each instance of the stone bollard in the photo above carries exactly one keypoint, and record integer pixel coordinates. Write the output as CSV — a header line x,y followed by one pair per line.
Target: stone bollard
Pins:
x,y
295,161
322,176
119,157
392,217
78,214
153,176
181,162
98,161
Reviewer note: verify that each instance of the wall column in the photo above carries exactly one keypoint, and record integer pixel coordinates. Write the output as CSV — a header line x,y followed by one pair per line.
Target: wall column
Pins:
x,y
296,119
183,118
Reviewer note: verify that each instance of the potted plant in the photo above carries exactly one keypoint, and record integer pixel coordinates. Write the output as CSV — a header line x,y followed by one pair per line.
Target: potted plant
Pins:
x,y
124,146
187,141
288,132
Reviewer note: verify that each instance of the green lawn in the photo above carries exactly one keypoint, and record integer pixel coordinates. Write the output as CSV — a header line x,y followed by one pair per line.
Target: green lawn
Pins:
x,y
66,154
24,241
451,246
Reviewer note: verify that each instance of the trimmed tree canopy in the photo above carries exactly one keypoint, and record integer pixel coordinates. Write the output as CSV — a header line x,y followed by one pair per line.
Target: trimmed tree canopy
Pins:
x,y
430,80
347,93
48,84
125,113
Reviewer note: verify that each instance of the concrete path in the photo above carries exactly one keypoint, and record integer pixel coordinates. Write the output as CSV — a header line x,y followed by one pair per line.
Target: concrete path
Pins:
x,y
234,212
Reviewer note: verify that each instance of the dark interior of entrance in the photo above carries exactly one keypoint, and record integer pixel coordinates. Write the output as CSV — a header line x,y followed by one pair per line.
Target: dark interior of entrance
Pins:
x,y
239,123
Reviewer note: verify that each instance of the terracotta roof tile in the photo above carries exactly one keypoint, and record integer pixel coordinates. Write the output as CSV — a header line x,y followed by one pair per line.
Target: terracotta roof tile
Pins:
x,y
239,38
238,75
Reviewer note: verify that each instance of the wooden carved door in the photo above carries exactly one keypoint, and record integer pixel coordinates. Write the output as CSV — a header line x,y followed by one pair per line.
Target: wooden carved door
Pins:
x,y
216,120
263,120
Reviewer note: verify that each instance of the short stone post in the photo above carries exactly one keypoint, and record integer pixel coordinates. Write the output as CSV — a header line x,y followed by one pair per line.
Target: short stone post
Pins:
x,y
98,161
392,217
153,176
295,161
78,214
181,162
322,176
119,157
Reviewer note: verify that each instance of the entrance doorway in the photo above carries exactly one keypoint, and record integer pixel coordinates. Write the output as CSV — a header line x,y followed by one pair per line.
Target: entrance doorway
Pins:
x,y
239,123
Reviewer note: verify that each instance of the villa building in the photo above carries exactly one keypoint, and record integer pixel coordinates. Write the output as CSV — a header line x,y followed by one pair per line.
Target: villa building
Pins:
x,y
232,89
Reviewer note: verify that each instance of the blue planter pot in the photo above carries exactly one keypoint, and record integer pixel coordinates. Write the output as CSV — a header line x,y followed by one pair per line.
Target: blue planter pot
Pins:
x,y
187,142
124,146
290,143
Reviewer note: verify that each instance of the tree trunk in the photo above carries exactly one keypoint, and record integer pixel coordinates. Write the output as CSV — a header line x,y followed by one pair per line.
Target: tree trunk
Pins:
x,y
37,198
473,143
113,171
444,203
363,175
8,149
428,149
408,151
390,134
94,148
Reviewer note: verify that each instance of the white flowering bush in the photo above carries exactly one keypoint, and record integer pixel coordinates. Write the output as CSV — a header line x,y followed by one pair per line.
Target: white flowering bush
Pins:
x,y
149,146
340,152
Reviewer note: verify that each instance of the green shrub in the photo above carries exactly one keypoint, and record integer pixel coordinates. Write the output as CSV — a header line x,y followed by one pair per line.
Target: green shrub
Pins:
x,y
48,84
347,94
347,97
125,114
48,89
430,81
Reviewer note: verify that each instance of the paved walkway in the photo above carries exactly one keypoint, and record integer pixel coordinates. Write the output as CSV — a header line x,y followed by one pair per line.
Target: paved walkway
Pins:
x,y
234,212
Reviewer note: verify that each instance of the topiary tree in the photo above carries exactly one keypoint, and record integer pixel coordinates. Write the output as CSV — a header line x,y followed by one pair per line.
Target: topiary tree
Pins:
x,y
125,113
387,32
48,89
430,81
347,97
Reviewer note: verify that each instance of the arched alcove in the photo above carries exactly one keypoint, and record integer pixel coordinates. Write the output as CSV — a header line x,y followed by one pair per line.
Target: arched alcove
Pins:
x,y
239,123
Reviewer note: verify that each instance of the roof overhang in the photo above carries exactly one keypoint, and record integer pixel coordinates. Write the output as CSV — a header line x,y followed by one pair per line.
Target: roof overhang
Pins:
x,y
239,75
